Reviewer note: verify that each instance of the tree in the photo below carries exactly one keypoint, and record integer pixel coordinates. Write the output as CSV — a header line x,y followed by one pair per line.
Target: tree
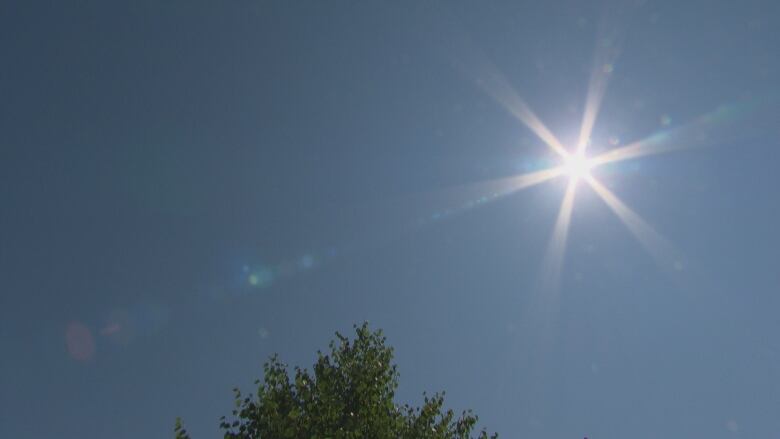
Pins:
x,y
349,394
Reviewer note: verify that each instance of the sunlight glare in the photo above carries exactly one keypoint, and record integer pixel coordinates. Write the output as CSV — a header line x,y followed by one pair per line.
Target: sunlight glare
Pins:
x,y
577,166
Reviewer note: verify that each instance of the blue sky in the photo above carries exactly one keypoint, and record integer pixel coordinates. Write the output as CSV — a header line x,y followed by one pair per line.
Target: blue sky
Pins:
x,y
189,187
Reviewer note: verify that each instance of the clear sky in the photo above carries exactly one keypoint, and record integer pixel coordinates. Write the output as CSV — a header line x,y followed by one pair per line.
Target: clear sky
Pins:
x,y
187,187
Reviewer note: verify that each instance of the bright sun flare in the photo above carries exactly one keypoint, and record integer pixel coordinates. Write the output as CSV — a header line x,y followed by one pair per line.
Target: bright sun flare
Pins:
x,y
577,166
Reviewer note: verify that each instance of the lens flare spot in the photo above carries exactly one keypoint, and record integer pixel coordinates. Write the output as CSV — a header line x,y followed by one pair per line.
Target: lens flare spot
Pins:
x,y
264,333
261,278
307,261
79,341
110,329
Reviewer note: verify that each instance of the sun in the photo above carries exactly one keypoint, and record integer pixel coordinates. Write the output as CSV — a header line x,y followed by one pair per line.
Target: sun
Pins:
x,y
577,166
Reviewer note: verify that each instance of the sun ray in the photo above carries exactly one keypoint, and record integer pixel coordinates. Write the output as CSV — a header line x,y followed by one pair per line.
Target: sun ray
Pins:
x,y
490,79
462,198
607,50
597,87
656,244
495,85
707,130
533,178
552,264
596,90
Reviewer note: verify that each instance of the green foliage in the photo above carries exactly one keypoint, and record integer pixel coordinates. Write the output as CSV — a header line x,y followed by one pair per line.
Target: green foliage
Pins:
x,y
179,430
347,395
